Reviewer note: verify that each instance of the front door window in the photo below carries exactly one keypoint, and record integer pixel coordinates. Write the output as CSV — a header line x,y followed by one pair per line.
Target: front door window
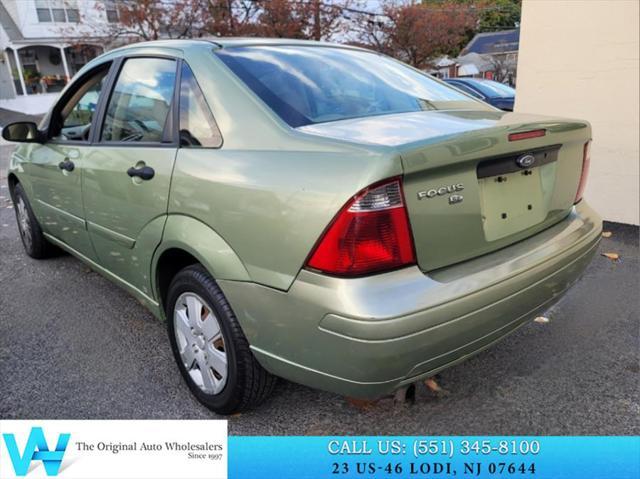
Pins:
x,y
74,119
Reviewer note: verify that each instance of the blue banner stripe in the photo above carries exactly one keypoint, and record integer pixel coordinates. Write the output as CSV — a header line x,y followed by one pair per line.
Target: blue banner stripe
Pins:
x,y
590,457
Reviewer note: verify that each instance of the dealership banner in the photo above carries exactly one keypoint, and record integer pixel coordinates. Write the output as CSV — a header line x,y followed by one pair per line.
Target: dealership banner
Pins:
x,y
202,450
113,449
435,457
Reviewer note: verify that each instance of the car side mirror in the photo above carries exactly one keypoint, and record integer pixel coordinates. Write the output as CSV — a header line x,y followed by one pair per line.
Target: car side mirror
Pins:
x,y
22,132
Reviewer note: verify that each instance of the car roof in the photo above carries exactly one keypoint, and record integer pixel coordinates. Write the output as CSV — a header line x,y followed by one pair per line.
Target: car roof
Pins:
x,y
210,42
231,42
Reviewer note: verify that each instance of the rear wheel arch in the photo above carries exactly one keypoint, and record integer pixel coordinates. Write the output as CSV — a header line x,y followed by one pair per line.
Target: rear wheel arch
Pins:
x,y
170,263
187,241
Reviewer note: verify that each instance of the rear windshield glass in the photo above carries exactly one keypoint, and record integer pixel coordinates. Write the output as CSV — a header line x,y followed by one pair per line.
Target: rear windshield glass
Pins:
x,y
306,85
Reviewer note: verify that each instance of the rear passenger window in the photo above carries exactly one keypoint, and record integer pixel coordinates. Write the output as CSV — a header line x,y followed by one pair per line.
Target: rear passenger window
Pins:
x,y
198,128
141,100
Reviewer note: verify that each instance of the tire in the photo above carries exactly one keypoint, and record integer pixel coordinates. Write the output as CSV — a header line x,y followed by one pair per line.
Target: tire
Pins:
x,y
34,242
198,345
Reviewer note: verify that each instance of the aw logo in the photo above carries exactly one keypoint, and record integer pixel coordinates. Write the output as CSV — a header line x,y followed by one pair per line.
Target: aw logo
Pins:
x,y
36,449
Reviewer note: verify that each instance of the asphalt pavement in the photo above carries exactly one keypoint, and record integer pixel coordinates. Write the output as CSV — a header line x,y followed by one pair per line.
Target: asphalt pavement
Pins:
x,y
74,346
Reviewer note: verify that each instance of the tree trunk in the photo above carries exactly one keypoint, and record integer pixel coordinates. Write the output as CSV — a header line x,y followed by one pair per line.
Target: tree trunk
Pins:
x,y
317,30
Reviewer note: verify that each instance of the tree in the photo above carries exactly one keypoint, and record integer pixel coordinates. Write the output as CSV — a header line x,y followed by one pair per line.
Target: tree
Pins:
x,y
371,31
503,67
307,19
283,19
231,17
493,15
141,20
418,32
154,19
328,18
499,15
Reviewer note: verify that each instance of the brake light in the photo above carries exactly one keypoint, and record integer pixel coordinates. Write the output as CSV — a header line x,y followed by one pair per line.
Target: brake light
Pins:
x,y
586,161
525,135
371,233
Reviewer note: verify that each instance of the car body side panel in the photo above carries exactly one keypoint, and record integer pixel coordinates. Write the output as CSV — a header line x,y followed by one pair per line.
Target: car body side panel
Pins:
x,y
55,194
140,256
270,191
17,164
196,238
150,303
122,211
272,206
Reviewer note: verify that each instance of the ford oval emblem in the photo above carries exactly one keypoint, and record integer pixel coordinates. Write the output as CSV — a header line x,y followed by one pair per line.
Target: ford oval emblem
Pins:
x,y
526,161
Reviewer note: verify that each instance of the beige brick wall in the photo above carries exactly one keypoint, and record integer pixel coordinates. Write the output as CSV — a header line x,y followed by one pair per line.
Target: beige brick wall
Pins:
x,y
579,58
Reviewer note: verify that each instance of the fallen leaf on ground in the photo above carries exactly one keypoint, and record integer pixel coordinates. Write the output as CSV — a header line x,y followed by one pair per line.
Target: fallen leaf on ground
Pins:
x,y
541,319
433,385
607,234
435,388
360,403
611,256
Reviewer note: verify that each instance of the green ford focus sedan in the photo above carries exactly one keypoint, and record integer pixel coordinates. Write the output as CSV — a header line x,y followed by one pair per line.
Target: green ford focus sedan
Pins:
x,y
312,211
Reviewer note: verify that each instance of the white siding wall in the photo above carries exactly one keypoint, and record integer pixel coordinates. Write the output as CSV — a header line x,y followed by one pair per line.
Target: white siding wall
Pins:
x,y
24,14
579,58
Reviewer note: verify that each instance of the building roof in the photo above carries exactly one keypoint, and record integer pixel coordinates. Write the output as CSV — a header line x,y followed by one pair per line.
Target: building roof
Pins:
x,y
443,62
494,42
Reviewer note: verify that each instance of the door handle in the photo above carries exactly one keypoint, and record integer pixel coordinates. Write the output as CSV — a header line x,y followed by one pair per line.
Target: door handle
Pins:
x,y
144,173
66,165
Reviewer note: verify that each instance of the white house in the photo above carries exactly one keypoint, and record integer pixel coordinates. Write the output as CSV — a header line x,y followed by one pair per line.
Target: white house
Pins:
x,y
469,65
43,43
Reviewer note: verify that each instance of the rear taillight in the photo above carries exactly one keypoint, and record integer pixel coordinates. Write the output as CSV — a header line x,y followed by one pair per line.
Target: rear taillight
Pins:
x,y
586,160
370,234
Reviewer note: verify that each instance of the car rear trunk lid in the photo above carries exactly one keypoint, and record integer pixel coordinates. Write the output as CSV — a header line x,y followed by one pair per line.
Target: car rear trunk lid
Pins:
x,y
483,200
479,192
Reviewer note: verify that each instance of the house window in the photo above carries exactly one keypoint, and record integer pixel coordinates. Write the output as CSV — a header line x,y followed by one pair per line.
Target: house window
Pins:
x,y
44,13
59,15
59,11
71,8
113,16
73,15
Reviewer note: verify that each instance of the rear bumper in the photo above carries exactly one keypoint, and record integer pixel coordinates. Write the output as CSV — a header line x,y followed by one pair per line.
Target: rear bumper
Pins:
x,y
366,337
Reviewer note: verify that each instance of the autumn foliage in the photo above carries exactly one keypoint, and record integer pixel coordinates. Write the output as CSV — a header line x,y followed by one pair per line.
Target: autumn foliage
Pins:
x,y
418,32
303,19
413,31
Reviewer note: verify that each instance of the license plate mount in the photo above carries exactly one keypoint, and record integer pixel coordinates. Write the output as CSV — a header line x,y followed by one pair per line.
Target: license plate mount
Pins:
x,y
512,202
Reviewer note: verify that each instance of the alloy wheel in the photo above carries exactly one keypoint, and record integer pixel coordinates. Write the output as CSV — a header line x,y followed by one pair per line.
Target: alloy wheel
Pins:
x,y
200,343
